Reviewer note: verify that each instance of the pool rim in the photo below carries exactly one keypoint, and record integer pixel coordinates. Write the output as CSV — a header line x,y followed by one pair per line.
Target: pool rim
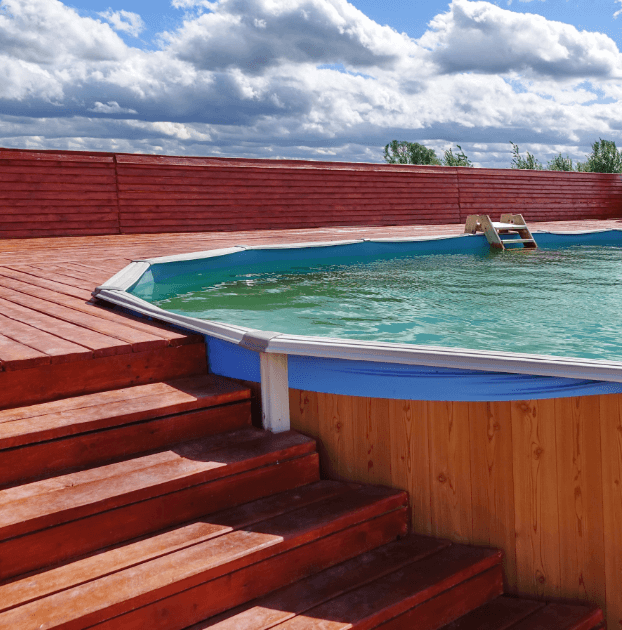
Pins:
x,y
115,291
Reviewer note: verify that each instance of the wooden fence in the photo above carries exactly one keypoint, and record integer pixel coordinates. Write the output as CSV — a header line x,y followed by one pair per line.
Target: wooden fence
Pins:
x,y
71,193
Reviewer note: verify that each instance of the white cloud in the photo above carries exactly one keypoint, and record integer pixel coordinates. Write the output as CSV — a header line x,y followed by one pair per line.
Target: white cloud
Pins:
x,y
111,108
255,35
306,78
48,32
125,21
481,37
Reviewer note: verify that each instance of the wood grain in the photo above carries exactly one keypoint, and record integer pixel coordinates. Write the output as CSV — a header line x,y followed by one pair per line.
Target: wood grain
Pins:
x,y
540,480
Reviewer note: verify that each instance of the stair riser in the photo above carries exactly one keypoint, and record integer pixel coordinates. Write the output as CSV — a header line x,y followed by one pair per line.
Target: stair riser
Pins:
x,y
446,607
80,451
69,540
215,596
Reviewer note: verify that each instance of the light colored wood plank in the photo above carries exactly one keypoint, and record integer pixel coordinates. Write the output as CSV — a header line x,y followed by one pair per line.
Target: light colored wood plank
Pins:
x,y
492,480
535,493
410,458
336,428
580,498
611,447
450,465
304,414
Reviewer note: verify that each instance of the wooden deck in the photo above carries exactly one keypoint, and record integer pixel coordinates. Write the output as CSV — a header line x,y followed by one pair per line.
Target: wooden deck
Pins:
x,y
50,325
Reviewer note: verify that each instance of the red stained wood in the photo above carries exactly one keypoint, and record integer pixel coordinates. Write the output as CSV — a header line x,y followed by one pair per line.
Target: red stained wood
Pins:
x,y
255,580
111,408
136,340
562,617
451,604
101,345
46,382
81,193
408,588
58,350
37,460
311,592
502,613
62,499
173,576
76,538
15,355
55,292
109,561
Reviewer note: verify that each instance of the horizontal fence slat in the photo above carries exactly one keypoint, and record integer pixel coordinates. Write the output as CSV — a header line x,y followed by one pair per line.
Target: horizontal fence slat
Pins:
x,y
56,193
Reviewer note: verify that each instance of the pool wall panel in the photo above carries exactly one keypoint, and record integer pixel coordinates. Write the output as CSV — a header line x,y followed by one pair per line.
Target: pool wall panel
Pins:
x,y
63,193
539,479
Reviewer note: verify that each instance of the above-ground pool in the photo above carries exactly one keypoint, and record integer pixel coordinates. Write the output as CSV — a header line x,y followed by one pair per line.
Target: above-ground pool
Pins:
x,y
399,318
500,416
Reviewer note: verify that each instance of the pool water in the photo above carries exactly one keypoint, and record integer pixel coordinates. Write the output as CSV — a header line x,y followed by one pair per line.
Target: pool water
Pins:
x,y
565,301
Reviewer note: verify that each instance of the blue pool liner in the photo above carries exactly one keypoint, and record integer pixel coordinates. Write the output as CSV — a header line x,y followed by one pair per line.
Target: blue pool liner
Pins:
x,y
401,382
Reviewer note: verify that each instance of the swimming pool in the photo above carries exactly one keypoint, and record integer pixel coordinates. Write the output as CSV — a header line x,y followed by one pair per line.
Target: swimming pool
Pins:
x,y
509,449
528,343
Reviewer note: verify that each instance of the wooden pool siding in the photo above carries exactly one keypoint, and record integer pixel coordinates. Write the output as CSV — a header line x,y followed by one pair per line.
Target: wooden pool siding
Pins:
x,y
541,480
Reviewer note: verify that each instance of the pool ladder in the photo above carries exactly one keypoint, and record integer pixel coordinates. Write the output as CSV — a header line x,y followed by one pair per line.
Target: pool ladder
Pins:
x,y
509,224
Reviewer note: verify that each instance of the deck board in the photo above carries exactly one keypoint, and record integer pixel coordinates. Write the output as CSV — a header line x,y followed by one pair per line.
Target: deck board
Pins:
x,y
45,284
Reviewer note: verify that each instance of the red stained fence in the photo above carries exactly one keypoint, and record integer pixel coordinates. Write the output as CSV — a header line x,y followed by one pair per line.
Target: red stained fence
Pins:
x,y
64,193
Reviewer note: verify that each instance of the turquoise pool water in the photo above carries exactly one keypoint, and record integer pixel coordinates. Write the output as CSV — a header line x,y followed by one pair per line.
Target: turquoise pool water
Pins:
x,y
565,301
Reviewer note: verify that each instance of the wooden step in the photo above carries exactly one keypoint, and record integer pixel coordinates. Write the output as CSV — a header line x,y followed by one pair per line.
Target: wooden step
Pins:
x,y
61,380
50,521
95,428
412,583
178,577
513,613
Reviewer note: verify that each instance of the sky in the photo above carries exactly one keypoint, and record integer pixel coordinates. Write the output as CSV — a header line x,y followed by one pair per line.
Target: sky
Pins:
x,y
311,79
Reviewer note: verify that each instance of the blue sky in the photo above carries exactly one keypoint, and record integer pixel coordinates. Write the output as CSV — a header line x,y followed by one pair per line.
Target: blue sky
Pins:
x,y
312,79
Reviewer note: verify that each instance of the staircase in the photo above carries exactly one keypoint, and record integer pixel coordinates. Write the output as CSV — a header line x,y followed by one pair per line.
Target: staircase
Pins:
x,y
159,506
510,225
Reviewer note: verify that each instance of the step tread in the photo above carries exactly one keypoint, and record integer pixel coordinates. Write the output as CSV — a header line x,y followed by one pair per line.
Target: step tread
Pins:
x,y
47,421
400,591
122,556
203,560
41,504
309,593
515,613
562,617
30,462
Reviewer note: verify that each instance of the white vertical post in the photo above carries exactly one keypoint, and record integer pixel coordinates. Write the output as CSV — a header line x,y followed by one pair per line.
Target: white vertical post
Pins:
x,y
274,392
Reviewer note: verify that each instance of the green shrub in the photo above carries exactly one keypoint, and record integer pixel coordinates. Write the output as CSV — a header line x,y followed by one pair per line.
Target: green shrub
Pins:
x,y
605,158
529,162
459,159
560,163
409,153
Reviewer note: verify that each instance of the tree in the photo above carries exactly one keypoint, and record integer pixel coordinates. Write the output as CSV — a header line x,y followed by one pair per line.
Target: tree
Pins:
x,y
605,158
529,162
560,163
459,159
409,153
